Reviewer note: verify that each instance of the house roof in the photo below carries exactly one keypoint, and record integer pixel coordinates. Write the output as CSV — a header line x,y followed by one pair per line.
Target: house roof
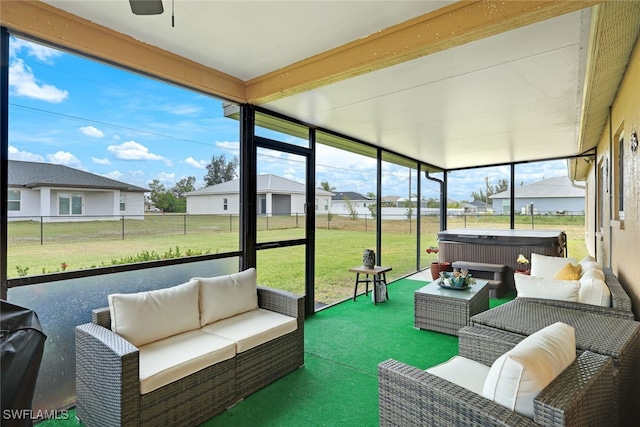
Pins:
x,y
550,187
351,195
35,174
268,183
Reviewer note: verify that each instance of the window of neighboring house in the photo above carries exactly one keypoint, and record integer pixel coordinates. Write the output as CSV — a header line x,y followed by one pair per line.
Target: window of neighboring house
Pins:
x,y
316,204
506,205
225,204
13,200
70,204
621,178
123,202
326,204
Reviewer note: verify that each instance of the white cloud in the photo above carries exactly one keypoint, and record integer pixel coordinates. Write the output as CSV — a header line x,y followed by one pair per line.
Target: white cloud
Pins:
x,y
117,175
15,154
92,131
166,177
103,161
181,110
199,164
24,83
231,146
65,158
131,150
42,53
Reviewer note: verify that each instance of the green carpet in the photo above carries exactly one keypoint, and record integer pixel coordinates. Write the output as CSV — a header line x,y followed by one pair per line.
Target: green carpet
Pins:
x,y
338,385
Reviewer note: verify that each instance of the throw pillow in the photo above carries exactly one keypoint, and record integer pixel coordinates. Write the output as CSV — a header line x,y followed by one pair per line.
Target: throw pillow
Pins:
x,y
225,296
594,291
569,272
520,374
539,287
548,266
150,316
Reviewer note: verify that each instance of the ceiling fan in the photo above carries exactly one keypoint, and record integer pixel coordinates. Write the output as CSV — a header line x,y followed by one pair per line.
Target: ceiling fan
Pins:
x,y
146,7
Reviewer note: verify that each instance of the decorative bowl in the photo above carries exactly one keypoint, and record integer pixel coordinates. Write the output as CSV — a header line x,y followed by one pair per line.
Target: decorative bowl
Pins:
x,y
451,281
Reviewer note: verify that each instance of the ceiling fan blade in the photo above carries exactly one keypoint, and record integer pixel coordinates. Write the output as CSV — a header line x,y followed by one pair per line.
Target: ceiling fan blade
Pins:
x,y
146,7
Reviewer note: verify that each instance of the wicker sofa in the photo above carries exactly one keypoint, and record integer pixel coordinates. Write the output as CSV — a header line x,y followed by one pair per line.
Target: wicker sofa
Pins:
x,y
169,381
620,300
582,395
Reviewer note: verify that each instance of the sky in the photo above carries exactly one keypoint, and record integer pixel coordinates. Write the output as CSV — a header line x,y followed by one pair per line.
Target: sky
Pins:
x,y
74,111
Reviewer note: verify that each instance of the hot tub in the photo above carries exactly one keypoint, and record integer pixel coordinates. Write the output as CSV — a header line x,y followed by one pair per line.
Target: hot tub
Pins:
x,y
499,246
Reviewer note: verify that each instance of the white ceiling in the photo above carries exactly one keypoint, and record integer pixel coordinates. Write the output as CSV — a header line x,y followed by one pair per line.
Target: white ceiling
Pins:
x,y
515,96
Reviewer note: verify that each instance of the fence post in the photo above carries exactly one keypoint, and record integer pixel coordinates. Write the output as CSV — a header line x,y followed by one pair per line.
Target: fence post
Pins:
x,y
41,230
230,223
122,219
297,220
184,224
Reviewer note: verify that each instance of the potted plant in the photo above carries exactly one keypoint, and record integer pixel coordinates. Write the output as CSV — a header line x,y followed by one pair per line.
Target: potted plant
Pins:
x,y
523,265
438,266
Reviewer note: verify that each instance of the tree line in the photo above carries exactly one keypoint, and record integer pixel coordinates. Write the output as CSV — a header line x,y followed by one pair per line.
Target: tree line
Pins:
x,y
174,199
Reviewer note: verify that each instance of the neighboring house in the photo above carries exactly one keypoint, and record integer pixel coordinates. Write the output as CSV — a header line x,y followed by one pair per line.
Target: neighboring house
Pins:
x,y
276,196
553,195
57,192
341,200
477,206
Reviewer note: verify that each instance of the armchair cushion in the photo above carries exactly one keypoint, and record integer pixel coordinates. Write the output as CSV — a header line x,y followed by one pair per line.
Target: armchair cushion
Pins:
x,y
141,317
520,374
225,296
540,287
465,372
547,266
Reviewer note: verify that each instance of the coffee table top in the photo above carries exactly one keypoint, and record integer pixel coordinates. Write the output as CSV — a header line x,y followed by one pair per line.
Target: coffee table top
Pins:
x,y
467,294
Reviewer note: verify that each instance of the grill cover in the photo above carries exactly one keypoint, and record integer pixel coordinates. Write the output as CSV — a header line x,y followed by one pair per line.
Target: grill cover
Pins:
x,y
21,348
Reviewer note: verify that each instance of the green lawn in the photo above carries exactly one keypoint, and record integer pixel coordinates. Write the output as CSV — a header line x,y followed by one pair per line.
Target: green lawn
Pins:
x,y
339,245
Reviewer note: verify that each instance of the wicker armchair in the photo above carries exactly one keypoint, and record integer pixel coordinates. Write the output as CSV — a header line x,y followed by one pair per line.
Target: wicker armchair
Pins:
x,y
583,395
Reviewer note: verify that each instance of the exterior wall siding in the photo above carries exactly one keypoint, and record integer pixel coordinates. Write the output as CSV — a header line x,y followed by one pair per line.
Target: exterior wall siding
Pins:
x,y
618,242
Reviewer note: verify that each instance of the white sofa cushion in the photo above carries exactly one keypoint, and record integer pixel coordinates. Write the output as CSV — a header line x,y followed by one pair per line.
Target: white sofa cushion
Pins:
x,y
520,374
540,287
593,273
252,328
590,265
594,291
225,296
168,360
144,317
548,266
464,372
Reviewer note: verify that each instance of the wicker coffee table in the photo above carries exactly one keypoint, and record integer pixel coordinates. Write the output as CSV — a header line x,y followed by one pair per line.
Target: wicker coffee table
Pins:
x,y
447,310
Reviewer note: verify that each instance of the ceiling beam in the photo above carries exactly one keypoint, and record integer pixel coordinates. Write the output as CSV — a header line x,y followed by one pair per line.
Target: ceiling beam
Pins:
x,y
454,25
62,29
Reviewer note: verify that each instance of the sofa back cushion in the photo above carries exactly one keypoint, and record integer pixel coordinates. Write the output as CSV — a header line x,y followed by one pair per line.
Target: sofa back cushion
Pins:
x,y
145,317
225,296
548,266
520,374
594,291
539,287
